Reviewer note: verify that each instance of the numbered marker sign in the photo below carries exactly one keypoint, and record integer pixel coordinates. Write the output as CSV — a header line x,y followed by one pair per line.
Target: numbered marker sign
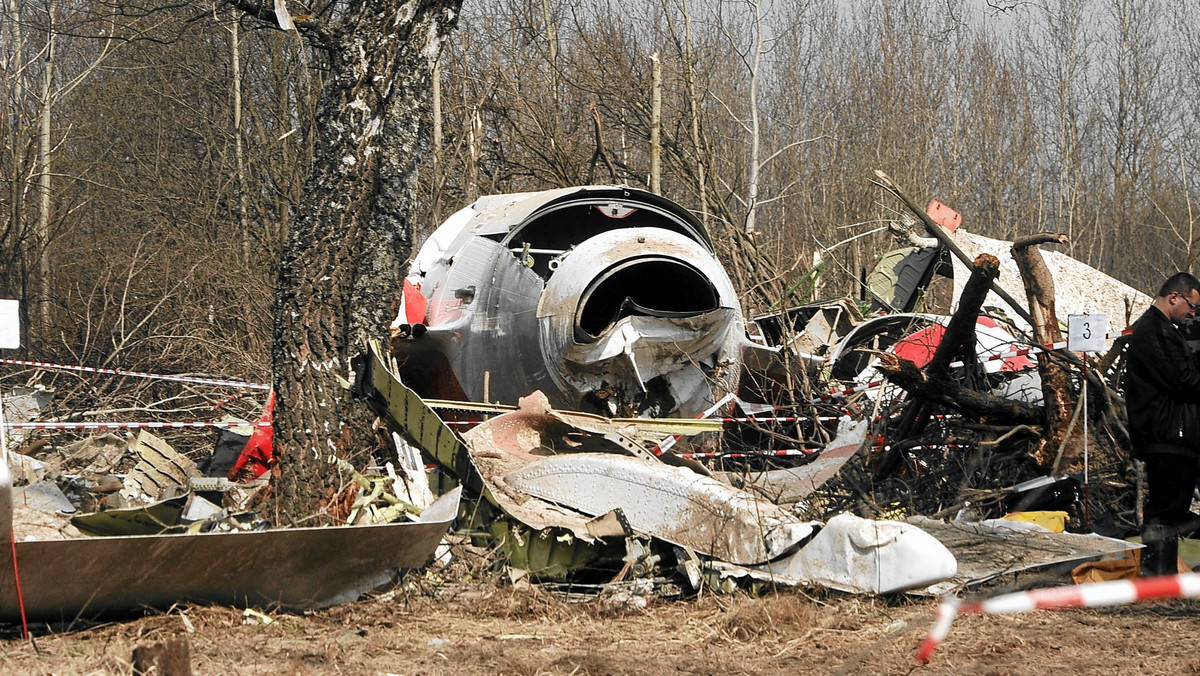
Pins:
x,y
1085,333
10,324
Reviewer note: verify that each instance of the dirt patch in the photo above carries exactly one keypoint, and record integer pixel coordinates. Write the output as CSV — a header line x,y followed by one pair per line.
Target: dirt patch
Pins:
x,y
487,629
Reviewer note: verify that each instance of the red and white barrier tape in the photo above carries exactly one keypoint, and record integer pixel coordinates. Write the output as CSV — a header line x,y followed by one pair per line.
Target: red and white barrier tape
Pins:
x,y
780,418
137,374
127,425
229,400
664,445
1026,351
1094,595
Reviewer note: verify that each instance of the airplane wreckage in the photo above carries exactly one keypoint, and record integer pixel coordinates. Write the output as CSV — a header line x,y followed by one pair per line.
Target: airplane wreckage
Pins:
x,y
576,365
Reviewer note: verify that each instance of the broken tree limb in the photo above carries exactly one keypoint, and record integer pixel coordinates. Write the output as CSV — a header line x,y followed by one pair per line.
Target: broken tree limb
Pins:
x,y
959,338
1057,393
916,382
1039,284
936,230
934,385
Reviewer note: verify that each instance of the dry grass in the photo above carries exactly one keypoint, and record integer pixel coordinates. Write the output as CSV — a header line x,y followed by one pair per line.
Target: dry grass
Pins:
x,y
502,629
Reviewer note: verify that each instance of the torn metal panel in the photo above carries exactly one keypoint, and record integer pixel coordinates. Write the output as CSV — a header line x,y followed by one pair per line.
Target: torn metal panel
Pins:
x,y
1079,288
409,479
808,332
987,550
789,486
670,503
44,496
861,556
297,568
152,519
30,469
647,431
549,499
23,405
408,415
901,275
536,429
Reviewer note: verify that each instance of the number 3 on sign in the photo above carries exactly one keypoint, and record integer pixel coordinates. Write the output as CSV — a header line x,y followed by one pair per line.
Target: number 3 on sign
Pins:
x,y
1085,333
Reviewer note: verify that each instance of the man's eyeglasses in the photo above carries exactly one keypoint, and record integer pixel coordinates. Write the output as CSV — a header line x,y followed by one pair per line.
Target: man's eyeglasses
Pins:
x,y
1194,306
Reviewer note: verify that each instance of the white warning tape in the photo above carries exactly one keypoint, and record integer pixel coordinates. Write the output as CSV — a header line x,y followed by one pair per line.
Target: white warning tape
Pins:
x,y
127,425
779,453
668,442
219,382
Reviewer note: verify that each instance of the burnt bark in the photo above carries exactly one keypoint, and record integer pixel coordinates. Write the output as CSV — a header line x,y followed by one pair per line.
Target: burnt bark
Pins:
x,y
341,265
1057,393
959,338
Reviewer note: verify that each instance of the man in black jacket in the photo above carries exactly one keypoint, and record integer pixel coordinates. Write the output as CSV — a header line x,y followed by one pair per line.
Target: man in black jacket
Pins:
x,y
1162,394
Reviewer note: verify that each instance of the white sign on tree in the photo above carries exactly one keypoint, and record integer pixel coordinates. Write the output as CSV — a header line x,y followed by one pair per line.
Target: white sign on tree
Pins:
x,y
10,324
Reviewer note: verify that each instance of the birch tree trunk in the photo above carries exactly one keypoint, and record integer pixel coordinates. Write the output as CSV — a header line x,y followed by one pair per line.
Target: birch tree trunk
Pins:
x,y
655,124
235,60
340,268
43,226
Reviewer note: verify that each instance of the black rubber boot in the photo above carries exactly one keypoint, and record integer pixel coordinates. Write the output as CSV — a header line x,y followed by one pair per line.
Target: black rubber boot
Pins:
x,y
1161,552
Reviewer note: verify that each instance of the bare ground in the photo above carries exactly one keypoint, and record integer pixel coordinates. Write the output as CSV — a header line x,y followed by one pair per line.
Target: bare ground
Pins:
x,y
507,630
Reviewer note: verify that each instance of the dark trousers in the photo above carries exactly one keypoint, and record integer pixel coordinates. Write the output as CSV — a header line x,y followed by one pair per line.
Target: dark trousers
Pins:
x,y
1170,483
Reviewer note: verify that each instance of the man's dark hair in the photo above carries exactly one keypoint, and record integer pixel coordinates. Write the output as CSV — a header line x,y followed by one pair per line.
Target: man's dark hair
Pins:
x,y
1182,283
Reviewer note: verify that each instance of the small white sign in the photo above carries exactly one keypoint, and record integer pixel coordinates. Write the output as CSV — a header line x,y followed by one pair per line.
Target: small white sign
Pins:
x,y
10,324
1085,333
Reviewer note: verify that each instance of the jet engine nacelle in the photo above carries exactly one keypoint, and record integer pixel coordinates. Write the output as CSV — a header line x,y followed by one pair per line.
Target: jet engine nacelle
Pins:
x,y
607,299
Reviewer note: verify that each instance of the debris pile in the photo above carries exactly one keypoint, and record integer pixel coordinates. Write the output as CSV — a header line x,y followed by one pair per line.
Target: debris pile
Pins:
x,y
551,362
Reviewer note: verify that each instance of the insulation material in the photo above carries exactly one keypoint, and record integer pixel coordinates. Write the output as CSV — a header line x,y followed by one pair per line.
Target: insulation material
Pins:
x,y
160,468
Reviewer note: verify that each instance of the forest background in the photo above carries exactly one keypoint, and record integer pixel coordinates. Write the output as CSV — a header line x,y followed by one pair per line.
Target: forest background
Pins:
x,y
152,160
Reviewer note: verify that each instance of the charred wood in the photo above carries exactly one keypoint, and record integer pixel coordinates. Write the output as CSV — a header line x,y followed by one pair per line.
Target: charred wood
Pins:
x,y
946,392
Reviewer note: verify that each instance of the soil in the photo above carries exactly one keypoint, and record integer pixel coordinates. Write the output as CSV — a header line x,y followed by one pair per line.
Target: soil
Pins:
x,y
504,629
